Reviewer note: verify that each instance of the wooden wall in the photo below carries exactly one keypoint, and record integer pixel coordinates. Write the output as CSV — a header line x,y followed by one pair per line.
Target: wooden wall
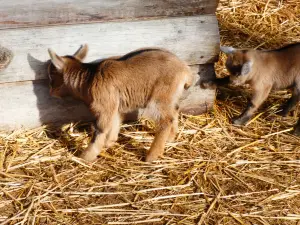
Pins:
x,y
30,13
111,27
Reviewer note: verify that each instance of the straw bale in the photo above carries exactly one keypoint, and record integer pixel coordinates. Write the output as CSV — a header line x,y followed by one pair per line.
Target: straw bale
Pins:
x,y
214,173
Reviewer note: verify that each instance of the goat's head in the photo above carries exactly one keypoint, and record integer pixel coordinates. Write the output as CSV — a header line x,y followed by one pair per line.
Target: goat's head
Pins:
x,y
58,66
238,65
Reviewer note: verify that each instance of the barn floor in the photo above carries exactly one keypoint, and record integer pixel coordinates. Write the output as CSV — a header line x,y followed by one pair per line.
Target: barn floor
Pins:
x,y
214,173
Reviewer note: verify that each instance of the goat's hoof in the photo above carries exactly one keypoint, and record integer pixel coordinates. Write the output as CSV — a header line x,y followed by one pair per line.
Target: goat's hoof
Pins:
x,y
171,137
239,120
283,113
151,157
110,144
89,156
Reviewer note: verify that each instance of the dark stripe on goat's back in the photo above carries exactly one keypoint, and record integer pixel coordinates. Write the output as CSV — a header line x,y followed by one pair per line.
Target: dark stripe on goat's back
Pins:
x,y
135,53
285,47
70,57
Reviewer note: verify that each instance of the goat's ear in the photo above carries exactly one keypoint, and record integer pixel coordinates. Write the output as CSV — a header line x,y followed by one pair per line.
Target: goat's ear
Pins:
x,y
81,52
57,61
227,50
246,68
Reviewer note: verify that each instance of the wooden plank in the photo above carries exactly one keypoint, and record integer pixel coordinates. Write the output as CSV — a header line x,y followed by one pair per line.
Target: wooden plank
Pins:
x,y
28,13
28,104
194,39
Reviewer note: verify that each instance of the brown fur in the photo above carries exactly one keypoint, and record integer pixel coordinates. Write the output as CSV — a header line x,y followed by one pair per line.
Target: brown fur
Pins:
x,y
146,78
265,71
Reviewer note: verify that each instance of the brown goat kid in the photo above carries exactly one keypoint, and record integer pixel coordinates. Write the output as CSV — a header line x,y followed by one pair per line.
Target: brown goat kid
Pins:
x,y
153,79
264,71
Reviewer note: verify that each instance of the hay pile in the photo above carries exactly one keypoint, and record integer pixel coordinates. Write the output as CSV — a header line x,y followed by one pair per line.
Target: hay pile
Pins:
x,y
214,173
266,24
259,24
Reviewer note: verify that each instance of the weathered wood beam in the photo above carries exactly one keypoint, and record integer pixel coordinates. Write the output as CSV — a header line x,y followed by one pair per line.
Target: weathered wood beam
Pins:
x,y
28,13
194,39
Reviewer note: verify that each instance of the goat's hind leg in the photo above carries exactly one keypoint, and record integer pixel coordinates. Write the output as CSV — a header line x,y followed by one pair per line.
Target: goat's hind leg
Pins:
x,y
161,136
113,134
164,125
174,128
292,102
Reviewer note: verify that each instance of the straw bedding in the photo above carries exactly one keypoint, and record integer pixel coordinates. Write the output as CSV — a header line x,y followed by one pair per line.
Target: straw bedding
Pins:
x,y
214,173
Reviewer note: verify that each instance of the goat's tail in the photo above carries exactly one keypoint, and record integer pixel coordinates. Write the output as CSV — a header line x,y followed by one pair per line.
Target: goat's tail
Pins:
x,y
189,78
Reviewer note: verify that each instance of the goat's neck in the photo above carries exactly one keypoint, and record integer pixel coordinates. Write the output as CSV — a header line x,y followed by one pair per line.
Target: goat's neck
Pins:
x,y
79,80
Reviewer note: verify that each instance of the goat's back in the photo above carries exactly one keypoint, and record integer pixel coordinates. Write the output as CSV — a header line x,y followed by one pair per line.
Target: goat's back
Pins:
x,y
281,66
138,76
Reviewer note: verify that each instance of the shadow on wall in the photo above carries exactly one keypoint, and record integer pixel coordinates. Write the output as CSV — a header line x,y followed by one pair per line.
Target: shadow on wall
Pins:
x,y
53,111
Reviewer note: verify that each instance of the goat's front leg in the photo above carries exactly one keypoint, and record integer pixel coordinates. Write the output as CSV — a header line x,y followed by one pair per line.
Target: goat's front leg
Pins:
x,y
94,148
105,130
259,96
